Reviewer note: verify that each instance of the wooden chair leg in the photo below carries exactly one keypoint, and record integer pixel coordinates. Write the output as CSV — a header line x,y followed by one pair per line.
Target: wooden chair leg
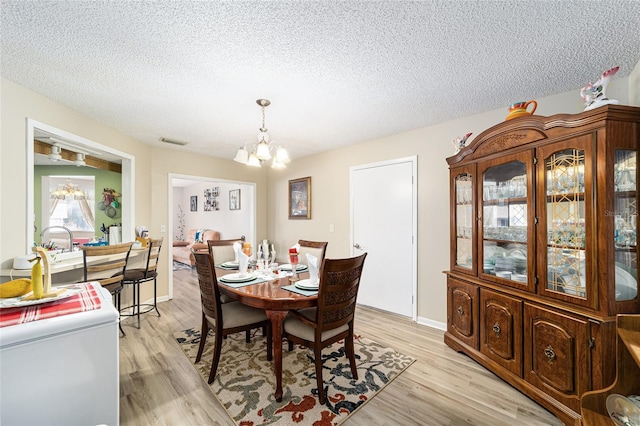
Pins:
x,y
349,349
290,345
320,383
203,337
216,356
247,336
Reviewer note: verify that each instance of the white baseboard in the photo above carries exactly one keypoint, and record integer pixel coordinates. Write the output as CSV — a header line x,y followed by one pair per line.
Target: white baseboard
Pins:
x,y
433,324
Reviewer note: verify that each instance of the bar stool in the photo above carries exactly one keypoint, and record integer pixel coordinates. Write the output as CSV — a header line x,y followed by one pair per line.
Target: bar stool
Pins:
x,y
108,266
137,276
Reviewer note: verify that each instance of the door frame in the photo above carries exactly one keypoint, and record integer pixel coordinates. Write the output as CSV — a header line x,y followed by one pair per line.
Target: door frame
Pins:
x,y
171,176
414,222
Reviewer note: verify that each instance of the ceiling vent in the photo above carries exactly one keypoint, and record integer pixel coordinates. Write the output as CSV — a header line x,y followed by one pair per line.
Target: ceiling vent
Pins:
x,y
173,141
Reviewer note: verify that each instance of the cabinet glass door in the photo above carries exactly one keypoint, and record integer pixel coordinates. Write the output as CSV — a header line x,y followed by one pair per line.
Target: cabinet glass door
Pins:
x,y
625,222
506,212
566,249
566,215
464,233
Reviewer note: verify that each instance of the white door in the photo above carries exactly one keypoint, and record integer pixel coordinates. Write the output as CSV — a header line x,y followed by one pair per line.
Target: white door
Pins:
x,y
383,224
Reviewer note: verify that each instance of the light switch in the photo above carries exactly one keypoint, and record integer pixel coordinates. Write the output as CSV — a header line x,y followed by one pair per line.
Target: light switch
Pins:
x,y
331,227
163,228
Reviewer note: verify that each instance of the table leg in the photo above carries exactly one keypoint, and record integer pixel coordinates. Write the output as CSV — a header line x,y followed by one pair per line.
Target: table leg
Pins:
x,y
276,318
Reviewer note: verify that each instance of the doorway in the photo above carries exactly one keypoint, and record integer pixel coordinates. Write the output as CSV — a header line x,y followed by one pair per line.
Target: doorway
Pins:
x,y
221,205
384,224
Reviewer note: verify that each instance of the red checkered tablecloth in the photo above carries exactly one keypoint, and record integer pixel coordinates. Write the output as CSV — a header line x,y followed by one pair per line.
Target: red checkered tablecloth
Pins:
x,y
87,299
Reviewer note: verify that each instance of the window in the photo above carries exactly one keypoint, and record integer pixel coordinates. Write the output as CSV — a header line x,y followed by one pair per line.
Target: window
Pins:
x,y
71,202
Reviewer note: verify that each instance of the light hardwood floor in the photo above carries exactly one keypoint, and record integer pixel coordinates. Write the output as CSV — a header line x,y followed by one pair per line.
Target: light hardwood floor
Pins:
x,y
159,386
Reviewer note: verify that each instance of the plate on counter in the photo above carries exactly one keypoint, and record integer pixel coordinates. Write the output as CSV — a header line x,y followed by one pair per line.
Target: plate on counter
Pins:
x,y
287,267
622,410
306,285
237,278
17,302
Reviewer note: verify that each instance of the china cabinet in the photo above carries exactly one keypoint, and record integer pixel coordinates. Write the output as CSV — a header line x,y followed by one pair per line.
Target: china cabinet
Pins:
x,y
544,251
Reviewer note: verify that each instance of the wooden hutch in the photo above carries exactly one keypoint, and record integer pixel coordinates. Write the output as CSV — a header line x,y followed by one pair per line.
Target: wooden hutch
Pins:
x,y
544,252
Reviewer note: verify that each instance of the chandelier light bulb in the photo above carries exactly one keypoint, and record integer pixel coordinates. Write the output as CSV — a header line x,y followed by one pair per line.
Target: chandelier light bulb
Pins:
x,y
263,151
253,161
242,156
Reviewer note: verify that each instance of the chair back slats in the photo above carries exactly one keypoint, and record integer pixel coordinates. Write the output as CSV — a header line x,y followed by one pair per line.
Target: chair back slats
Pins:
x,y
106,264
315,248
155,245
222,250
338,291
208,281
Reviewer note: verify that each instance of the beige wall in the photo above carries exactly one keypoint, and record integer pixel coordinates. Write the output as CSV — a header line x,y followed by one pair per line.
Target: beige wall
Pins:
x,y
329,172
151,183
330,191
634,86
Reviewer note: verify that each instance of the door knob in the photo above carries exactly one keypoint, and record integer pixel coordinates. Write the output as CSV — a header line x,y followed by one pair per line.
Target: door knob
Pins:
x,y
357,246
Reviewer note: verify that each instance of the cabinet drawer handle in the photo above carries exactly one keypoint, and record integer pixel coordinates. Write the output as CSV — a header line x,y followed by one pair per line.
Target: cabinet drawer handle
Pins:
x,y
496,329
550,354
460,310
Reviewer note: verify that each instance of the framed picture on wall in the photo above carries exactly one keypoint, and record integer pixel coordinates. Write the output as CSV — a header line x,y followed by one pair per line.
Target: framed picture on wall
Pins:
x,y
300,198
194,203
234,199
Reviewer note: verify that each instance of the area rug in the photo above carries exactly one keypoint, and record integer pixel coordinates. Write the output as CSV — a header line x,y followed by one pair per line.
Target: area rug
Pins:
x,y
179,266
245,381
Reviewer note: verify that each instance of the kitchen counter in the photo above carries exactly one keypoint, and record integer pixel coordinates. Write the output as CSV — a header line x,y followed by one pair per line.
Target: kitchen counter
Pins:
x,y
69,267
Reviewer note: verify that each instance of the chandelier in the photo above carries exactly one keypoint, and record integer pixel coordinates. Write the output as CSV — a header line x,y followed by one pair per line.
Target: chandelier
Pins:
x,y
263,150
67,190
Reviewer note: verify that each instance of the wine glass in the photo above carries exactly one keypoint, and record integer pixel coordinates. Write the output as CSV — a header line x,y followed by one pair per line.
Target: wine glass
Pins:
x,y
272,254
293,260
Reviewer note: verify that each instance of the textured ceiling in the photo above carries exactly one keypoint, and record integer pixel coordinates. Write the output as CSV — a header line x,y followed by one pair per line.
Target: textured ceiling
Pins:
x,y
336,72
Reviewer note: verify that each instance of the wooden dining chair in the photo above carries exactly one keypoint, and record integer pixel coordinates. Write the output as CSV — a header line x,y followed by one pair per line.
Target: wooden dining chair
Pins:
x,y
315,248
332,320
136,276
222,250
223,318
107,265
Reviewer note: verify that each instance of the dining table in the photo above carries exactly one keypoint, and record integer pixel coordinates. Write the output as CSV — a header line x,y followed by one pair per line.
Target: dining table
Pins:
x,y
268,293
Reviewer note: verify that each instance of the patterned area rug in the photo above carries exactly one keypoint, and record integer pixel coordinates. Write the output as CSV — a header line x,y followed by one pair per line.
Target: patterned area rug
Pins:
x,y
245,380
178,266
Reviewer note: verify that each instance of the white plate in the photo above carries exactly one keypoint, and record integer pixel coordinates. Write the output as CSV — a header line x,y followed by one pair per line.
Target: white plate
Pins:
x,y
626,285
230,264
287,267
306,285
17,302
621,408
236,278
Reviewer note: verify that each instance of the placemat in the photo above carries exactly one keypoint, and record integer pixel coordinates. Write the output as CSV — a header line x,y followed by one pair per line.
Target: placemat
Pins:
x,y
86,300
228,268
295,289
238,285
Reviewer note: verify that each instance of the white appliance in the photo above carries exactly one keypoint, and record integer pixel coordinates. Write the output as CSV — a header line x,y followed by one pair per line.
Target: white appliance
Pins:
x,y
62,370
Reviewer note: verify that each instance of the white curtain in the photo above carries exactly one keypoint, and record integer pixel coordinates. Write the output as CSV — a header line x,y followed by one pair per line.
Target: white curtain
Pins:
x,y
86,213
53,203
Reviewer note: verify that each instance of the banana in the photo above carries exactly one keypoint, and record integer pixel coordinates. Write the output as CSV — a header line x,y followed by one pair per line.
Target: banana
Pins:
x,y
36,278
15,288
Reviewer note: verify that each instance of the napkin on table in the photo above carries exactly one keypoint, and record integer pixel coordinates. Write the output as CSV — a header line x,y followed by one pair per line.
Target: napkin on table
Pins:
x,y
243,262
237,247
313,269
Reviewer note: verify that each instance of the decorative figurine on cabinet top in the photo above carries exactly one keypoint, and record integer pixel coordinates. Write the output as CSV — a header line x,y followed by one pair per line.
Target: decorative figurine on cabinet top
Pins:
x,y
459,143
593,93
